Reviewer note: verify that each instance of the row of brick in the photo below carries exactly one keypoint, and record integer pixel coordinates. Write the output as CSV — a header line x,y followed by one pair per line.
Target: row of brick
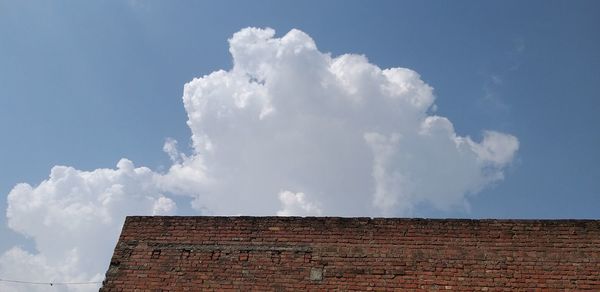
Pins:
x,y
354,254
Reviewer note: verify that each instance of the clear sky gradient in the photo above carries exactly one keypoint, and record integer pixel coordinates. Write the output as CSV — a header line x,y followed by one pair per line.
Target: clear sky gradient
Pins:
x,y
85,83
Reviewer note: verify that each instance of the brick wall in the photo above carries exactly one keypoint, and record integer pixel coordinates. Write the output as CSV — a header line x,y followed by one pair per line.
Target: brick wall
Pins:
x,y
291,253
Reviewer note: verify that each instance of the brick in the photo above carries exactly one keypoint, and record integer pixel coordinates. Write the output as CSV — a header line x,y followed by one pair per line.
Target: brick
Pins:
x,y
354,254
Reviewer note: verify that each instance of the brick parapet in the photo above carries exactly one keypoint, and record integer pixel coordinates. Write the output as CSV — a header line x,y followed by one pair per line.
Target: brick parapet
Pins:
x,y
330,253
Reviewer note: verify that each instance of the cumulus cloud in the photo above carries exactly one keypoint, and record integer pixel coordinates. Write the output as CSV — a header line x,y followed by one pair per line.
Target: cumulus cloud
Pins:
x,y
296,204
74,218
360,139
289,130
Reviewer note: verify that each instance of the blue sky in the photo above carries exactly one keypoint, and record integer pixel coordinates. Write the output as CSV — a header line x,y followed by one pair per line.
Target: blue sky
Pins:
x,y
85,84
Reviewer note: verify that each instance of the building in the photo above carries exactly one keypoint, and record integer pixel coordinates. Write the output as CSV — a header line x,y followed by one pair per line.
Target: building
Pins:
x,y
361,254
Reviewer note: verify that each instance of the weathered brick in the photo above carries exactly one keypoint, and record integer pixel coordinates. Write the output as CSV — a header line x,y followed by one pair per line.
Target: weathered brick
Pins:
x,y
354,254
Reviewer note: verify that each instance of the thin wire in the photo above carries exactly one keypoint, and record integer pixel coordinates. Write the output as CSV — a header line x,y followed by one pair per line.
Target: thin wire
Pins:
x,y
49,283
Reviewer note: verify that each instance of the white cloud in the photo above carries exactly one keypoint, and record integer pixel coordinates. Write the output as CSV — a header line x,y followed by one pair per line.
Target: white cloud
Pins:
x,y
74,218
496,147
170,147
340,129
296,204
347,137
164,206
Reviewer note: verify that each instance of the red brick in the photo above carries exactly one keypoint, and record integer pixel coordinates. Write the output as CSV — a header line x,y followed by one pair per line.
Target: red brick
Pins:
x,y
279,253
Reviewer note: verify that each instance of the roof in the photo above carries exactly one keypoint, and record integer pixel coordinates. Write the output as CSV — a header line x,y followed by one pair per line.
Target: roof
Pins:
x,y
327,253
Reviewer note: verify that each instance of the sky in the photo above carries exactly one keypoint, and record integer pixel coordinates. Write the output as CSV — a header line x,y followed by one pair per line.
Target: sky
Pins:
x,y
433,109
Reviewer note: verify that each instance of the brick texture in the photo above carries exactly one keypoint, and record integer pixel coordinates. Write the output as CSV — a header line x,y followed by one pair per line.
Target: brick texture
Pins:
x,y
354,254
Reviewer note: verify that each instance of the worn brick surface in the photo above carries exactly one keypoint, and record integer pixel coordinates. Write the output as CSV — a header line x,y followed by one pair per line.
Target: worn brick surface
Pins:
x,y
360,254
